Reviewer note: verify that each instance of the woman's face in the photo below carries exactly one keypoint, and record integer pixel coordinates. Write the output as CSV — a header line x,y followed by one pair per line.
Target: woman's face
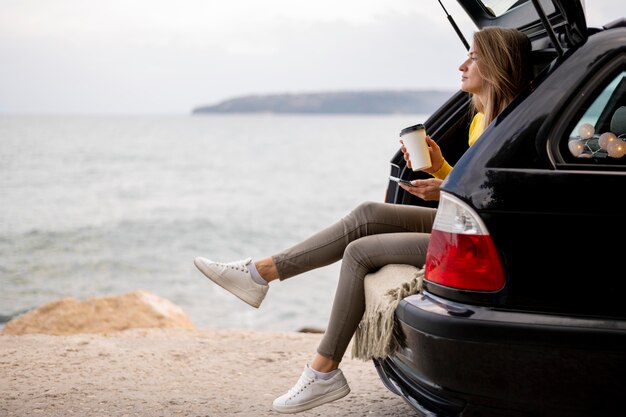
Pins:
x,y
471,80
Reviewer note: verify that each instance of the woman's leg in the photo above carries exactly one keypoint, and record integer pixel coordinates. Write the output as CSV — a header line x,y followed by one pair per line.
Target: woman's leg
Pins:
x,y
362,257
329,245
248,280
322,381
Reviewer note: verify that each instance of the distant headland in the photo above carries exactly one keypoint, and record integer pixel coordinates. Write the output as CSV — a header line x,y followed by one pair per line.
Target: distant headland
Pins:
x,y
351,102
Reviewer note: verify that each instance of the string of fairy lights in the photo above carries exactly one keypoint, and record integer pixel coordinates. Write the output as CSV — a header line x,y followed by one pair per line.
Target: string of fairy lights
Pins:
x,y
587,145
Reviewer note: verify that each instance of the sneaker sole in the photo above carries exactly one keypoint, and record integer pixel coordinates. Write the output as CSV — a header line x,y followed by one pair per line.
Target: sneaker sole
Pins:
x,y
227,285
331,396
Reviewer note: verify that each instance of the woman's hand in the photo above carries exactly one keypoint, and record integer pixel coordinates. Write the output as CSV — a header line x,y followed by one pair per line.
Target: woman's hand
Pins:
x,y
428,189
436,158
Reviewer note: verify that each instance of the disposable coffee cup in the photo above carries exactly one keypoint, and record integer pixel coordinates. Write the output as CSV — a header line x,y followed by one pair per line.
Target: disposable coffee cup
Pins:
x,y
414,139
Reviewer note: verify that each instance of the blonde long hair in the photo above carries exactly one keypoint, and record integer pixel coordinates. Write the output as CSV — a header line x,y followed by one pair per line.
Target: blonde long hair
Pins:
x,y
505,65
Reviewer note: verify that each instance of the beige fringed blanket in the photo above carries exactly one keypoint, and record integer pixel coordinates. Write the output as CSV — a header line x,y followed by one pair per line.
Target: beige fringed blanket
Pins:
x,y
377,336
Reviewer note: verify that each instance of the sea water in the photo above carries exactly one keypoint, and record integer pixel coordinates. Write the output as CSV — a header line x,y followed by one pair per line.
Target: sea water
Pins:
x,y
104,205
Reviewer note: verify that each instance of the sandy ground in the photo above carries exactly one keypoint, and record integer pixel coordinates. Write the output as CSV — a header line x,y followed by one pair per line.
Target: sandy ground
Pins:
x,y
173,373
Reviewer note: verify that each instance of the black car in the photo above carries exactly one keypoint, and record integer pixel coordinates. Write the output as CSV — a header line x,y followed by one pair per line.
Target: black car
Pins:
x,y
523,308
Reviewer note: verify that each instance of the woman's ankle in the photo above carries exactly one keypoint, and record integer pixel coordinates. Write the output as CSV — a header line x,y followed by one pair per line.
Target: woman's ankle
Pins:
x,y
267,269
323,364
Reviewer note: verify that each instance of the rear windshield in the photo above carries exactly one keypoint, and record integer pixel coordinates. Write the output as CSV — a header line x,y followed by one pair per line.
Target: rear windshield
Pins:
x,y
499,7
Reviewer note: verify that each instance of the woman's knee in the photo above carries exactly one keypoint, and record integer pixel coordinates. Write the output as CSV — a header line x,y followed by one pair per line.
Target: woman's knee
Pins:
x,y
367,211
357,259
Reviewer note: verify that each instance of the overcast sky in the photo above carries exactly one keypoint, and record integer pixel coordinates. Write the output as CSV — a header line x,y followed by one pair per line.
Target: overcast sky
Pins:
x,y
166,56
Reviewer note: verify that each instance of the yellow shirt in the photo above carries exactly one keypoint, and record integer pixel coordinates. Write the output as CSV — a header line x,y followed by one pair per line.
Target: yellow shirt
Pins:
x,y
475,131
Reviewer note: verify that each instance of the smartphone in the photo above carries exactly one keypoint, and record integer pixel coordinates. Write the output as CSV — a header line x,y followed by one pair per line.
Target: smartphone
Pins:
x,y
400,180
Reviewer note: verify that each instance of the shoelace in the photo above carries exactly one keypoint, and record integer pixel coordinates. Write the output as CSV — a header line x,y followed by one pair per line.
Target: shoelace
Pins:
x,y
238,267
301,385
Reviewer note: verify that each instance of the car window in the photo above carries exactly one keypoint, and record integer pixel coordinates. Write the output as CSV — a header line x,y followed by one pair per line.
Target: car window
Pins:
x,y
499,7
599,136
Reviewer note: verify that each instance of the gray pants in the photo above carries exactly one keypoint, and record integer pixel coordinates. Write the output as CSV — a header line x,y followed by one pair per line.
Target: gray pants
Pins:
x,y
371,236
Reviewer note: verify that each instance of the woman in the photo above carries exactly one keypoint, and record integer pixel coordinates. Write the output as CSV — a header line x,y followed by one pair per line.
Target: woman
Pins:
x,y
376,234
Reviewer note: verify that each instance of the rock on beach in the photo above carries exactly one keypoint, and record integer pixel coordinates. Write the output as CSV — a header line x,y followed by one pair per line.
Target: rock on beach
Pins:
x,y
137,309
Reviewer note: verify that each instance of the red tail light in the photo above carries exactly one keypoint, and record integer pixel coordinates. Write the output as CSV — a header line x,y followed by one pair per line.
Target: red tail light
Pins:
x,y
461,253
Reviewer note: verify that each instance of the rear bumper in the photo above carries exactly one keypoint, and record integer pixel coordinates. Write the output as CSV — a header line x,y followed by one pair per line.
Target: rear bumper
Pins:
x,y
425,403
464,360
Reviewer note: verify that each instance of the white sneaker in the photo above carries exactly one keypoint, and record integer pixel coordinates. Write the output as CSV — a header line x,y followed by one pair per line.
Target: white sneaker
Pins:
x,y
234,277
311,392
